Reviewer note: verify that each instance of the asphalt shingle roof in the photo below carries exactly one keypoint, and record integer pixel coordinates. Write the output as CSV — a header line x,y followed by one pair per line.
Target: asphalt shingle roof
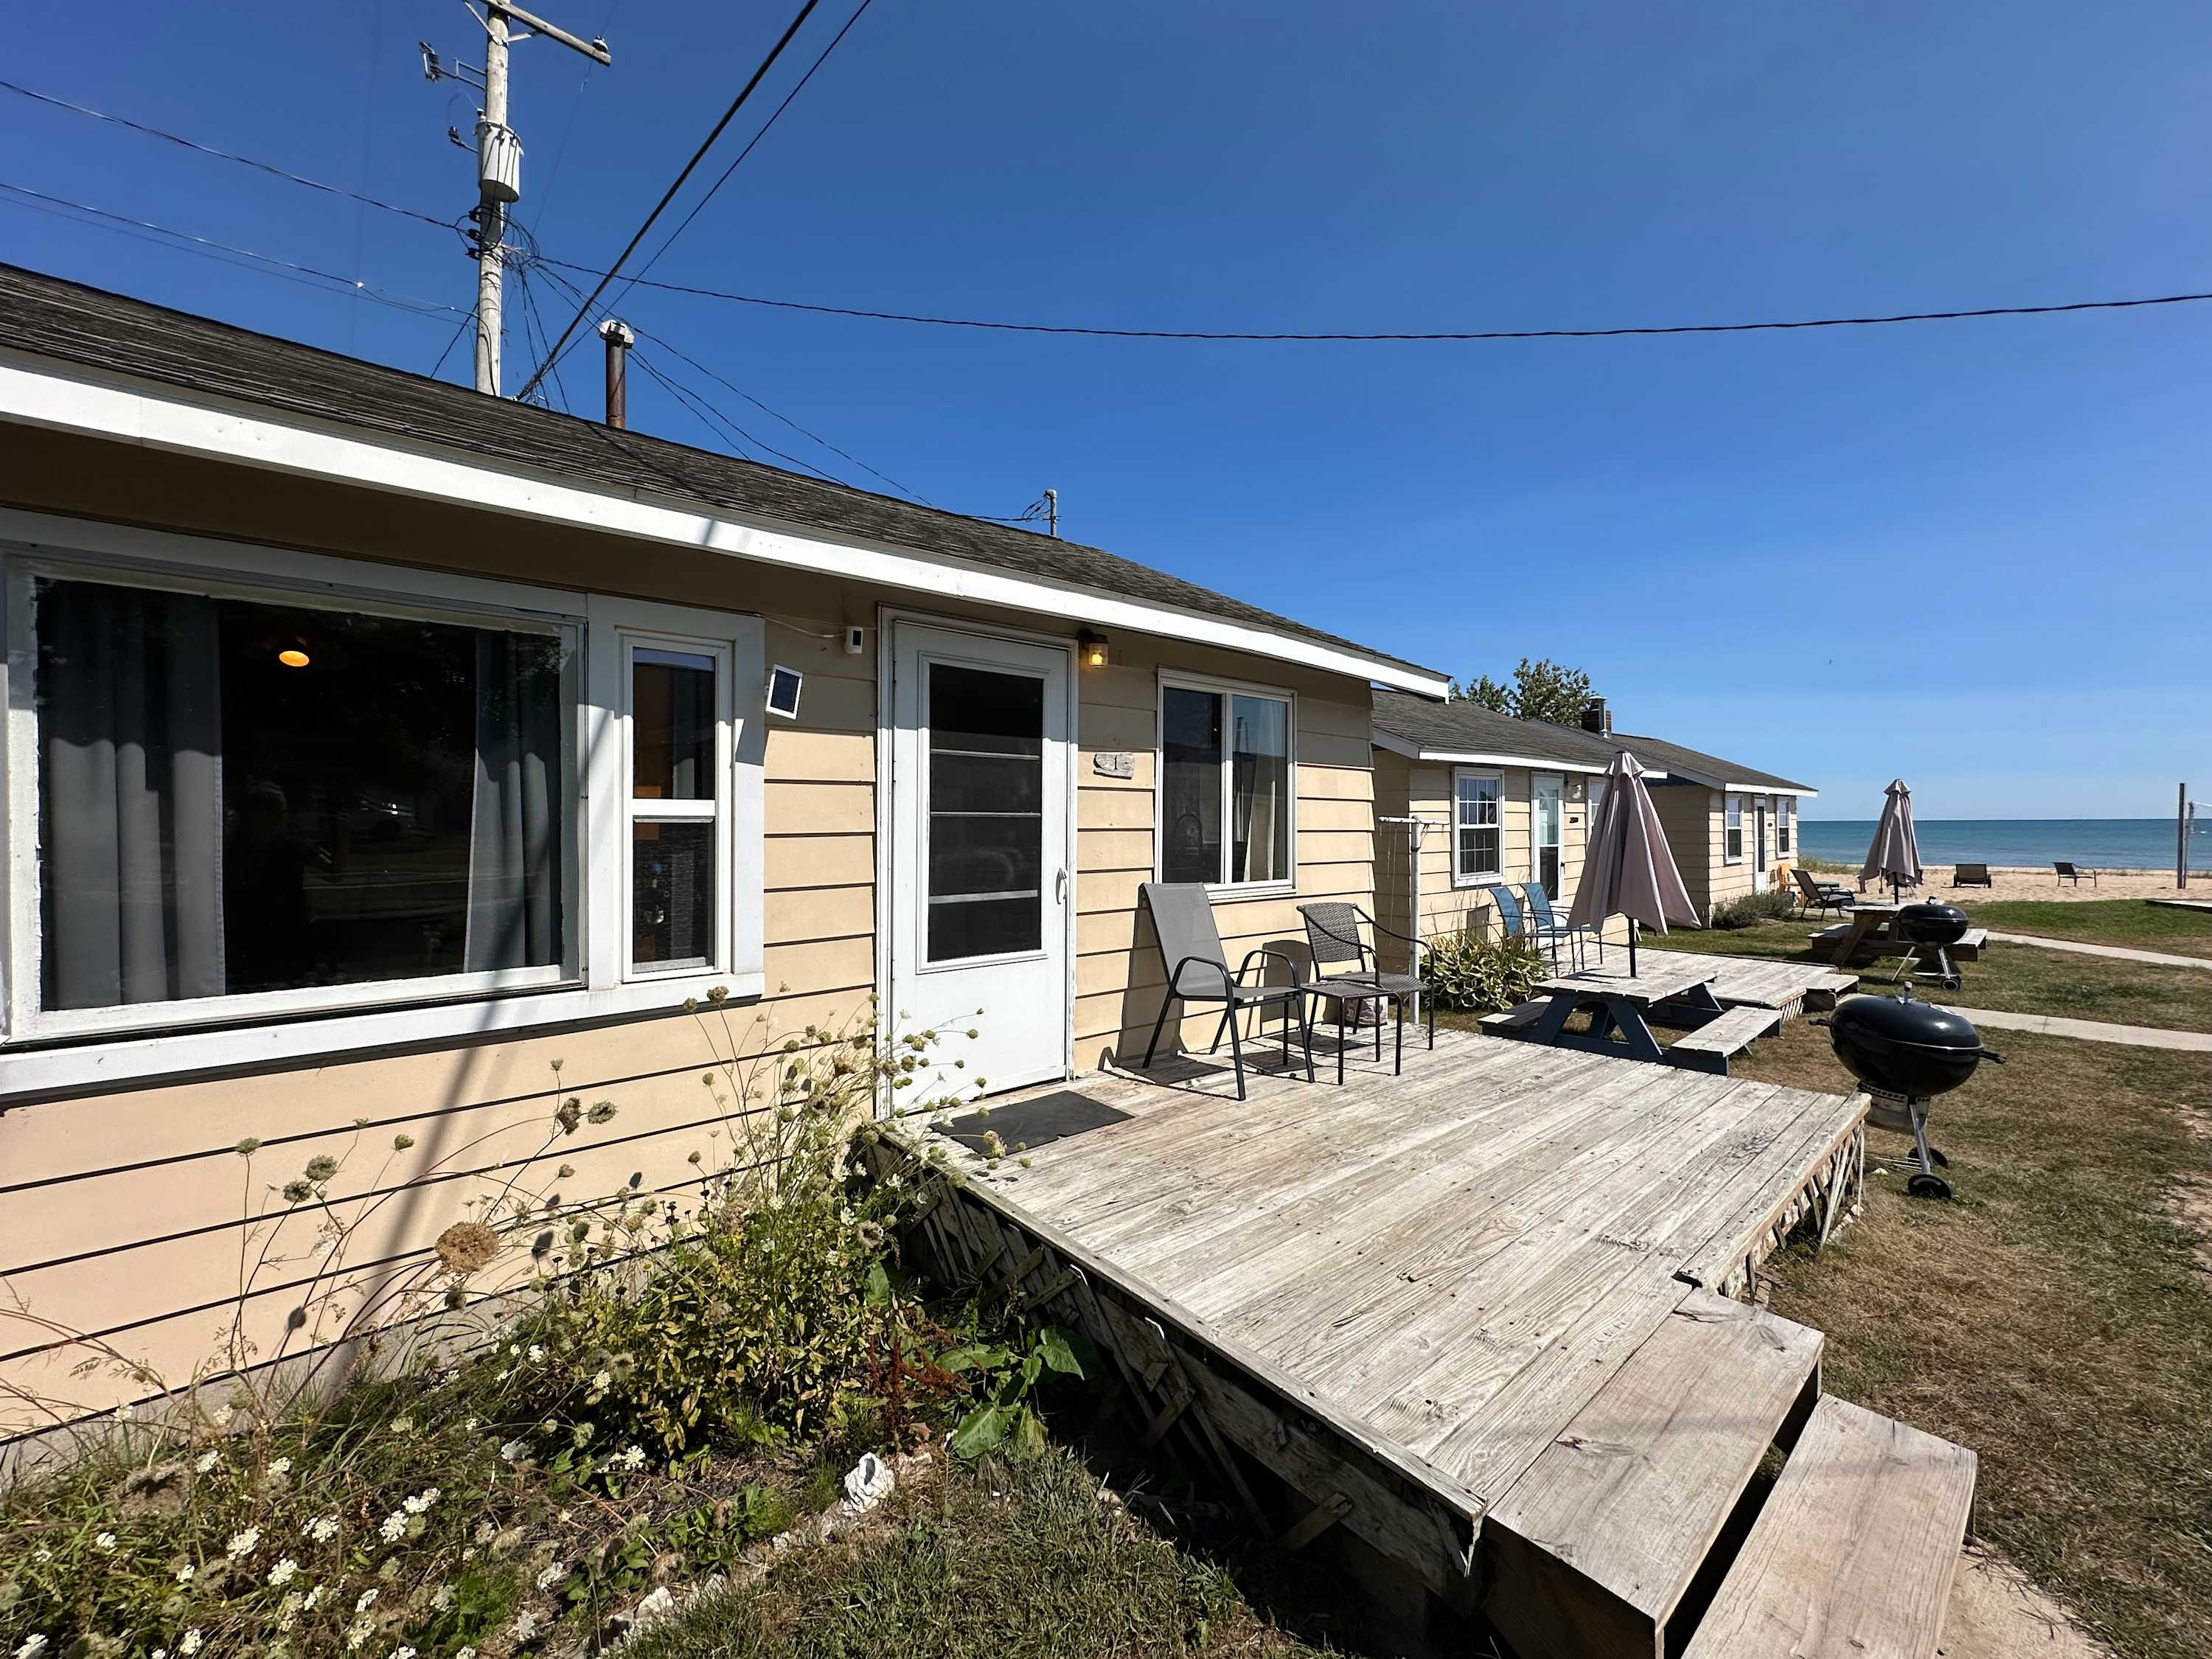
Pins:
x,y
95,329
1468,728
1674,757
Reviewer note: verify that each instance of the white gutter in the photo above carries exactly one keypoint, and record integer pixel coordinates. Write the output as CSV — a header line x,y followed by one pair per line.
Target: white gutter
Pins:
x,y
36,391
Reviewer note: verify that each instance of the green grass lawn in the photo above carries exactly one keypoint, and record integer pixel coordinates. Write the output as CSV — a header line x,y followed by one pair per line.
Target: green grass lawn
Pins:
x,y
2053,1318
2016,978
2128,922
991,1560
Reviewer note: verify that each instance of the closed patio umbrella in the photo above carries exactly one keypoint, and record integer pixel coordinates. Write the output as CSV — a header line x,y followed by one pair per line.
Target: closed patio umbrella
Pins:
x,y
1894,857
1627,870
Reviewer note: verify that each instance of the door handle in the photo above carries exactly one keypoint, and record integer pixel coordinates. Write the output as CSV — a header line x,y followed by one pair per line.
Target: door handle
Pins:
x,y
1059,886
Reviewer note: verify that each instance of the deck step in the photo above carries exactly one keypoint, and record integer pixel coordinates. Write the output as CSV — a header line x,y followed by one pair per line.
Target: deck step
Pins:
x,y
1853,1556
1708,1047
1595,1545
1824,991
1514,1021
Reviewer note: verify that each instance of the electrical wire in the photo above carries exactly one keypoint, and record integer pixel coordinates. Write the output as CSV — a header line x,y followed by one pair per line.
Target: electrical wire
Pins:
x,y
270,168
669,195
676,351
1622,332
461,328
1084,332
349,285
821,58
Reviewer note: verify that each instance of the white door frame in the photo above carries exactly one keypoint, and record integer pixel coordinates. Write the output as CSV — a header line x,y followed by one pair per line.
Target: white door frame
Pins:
x,y
1557,782
1762,818
887,620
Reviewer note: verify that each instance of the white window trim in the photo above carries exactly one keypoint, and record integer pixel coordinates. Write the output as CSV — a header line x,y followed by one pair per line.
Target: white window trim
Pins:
x,y
1785,827
1225,689
1478,877
1732,803
49,1053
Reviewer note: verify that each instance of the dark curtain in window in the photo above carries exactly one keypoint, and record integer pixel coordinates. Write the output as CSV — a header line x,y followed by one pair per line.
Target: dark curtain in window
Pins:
x,y
514,843
130,822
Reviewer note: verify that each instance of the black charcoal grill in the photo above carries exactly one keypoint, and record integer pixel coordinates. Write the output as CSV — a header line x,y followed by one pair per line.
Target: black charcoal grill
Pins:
x,y
1906,1053
1931,925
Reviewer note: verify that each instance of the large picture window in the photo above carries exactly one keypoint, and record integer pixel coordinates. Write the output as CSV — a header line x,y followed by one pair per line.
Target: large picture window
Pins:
x,y
253,786
1225,772
241,796
1478,832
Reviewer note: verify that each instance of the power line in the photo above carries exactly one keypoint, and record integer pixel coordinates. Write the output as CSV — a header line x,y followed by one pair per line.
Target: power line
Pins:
x,y
669,195
822,58
268,167
349,285
677,351
1410,336
1079,330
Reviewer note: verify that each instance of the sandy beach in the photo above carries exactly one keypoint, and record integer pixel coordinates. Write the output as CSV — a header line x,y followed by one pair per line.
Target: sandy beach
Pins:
x,y
2042,884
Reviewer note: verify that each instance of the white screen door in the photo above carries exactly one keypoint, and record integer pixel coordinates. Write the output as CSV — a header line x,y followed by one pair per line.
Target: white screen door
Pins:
x,y
980,877
1544,814
1759,836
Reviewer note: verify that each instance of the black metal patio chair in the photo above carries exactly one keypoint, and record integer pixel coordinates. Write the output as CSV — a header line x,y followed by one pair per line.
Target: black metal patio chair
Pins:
x,y
1333,935
1198,971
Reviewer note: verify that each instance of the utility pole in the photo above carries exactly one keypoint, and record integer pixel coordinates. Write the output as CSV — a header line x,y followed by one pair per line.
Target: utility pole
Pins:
x,y
2181,827
499,161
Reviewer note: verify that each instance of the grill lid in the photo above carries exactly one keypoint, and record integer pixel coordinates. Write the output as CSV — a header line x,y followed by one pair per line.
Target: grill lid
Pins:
x,y
1894,1020
1931,921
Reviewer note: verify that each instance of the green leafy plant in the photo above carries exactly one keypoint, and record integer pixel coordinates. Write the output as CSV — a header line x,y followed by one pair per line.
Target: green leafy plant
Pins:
x,y
1750,910
1484,976
1005,1418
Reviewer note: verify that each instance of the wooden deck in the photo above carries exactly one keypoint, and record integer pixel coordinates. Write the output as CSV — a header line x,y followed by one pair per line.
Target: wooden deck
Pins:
x,y
1397,1295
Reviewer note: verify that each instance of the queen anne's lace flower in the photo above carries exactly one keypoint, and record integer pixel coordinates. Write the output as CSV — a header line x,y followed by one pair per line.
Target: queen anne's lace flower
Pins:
x,y
243,1544
554,1573
394,1528
185,1573
365,1601
422,1501
322,1528
280,1466
190,1645
206,1461
105,1541
282,1573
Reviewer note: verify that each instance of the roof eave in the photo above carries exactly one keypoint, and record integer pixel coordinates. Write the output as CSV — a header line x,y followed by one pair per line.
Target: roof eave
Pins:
x,y
41,392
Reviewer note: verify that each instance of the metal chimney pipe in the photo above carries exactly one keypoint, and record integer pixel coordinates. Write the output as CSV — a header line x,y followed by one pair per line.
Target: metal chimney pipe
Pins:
x,y
619,339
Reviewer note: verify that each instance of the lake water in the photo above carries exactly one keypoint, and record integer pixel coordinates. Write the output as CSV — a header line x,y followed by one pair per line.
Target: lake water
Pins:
x,y
2100,843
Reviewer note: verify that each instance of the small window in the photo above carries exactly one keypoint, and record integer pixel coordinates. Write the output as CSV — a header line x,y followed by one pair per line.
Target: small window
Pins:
x,y
1478,835
1732,832
1226,775
679,803
1785,811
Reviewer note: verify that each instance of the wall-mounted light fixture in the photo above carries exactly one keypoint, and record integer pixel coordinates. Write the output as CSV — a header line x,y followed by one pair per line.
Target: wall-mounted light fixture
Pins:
x,y
1091,649
783,687
295,655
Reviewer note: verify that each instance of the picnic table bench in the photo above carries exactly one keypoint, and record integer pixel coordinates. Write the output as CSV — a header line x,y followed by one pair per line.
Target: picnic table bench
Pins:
x,y
1622,1007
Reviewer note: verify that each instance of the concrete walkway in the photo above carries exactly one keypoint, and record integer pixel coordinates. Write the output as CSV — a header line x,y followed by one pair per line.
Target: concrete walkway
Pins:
x,y
2117,952
2092,1030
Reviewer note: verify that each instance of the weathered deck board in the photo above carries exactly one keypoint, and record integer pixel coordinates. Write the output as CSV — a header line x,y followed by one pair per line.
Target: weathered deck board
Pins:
x,y
1593,1548
1854,1553
1743,982
1445,1268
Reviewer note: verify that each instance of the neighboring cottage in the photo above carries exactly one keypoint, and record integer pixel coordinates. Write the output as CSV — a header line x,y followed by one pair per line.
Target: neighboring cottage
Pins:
x,y
1467,799
376,745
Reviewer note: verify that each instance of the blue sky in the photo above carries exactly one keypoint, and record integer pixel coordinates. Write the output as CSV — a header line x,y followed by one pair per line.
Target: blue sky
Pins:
x,y
1971,553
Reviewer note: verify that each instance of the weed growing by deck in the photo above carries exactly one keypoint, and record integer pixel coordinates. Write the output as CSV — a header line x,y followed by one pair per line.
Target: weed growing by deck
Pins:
x,y
2054,1319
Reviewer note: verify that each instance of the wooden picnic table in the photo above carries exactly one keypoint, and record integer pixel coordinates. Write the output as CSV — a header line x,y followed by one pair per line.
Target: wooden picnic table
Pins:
x,y
1620,1004
1871,932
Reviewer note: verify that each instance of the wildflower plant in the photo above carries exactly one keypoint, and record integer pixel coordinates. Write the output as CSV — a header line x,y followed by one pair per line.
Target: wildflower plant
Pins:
x,y
578,1365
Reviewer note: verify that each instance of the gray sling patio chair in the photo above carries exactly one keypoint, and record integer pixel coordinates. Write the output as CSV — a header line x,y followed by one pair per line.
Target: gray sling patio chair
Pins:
x,y
1198,971
1333,935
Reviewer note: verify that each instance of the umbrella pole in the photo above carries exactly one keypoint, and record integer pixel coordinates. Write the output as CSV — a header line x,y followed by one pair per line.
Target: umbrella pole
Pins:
x,y
1631,947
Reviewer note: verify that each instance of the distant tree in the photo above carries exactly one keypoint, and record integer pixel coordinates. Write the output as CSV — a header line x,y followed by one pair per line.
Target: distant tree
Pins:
x,y
1541,690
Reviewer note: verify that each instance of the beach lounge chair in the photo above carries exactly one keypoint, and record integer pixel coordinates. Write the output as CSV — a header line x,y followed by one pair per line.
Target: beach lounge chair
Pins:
x,y
1198,971
1333,935
1821,897
1547,928
1972,875
2072,873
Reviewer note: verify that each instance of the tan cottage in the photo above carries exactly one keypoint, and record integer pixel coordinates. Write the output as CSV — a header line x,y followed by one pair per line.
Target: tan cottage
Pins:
x,y
376,747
